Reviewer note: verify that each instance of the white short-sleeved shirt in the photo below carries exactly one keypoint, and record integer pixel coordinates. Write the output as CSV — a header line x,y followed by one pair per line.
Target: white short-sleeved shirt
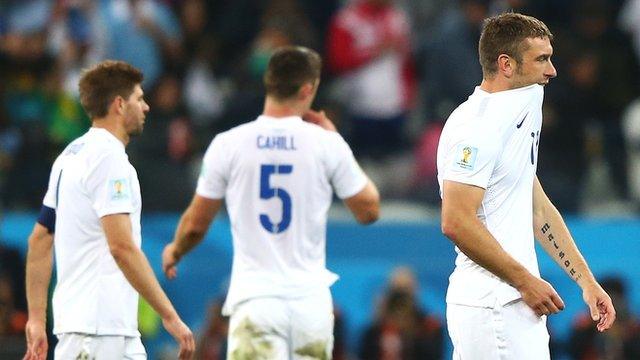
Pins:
x,y
90,179
491,141
278,178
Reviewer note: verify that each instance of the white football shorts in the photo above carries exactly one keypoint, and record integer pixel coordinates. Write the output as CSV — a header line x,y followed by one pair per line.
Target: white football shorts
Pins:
x,y
271,328
509,332
76,346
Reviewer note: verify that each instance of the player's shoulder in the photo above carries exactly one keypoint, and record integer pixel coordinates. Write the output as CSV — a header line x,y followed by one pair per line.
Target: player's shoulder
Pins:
x,y
236,131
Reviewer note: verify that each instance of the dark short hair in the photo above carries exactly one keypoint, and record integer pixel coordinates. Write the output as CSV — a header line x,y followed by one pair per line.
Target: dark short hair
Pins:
x,y
505,34
289,68
100,84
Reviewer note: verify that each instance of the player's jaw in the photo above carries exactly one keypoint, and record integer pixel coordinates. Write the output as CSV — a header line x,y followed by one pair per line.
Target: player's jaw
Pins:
x,y
134,124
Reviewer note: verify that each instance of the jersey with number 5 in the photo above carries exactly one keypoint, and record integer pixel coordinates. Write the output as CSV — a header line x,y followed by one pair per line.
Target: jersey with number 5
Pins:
x,y
278,177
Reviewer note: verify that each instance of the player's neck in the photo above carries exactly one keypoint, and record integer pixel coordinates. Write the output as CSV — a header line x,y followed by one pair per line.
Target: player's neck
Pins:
x,y
112,126
495,85
498,84
281,109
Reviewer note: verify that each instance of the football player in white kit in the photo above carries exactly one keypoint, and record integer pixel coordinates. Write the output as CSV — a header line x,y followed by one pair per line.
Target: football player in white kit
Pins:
x,y
91,212
493,205
278,174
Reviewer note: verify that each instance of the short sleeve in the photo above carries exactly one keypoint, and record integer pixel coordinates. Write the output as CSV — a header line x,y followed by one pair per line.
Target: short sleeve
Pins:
x,y
346,176
50,198
212,182
472,159
109,185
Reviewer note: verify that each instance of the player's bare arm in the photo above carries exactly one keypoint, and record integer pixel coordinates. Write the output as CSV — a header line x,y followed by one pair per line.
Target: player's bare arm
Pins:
x,y
39,265
554,236
136,269
460,203
365,205
192,228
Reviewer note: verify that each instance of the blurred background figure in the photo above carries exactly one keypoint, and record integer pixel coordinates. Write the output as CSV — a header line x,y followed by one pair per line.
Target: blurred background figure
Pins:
x,y
450,64
369,49
402,330
212,341
621,342
144,33
631,129
12,320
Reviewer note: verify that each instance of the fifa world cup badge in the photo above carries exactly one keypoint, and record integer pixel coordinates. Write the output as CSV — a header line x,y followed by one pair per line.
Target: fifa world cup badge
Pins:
x,y
119,189
465,156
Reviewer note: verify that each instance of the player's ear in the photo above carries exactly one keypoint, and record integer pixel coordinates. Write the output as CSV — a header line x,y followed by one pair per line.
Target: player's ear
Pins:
x,y
506,65
117,105
306,90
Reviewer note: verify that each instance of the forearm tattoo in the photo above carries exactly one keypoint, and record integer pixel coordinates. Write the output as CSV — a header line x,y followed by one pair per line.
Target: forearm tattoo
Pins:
x,y
546,230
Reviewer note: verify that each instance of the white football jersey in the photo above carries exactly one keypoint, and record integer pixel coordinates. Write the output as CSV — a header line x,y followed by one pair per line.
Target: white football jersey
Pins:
x,y
90,179
278,177
491,141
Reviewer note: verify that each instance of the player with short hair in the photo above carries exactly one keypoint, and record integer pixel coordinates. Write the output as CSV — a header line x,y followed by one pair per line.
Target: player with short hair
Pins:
x,y
278,174
91,211
493,205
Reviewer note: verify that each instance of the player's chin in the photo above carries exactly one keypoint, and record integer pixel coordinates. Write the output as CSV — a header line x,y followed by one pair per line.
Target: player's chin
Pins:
x,y
137,131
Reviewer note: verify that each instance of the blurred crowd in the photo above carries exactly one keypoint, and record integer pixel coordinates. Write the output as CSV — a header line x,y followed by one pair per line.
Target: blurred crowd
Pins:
x,y
394,70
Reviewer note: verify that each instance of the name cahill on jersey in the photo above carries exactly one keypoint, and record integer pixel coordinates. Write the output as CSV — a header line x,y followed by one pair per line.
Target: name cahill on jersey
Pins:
x,y
276,142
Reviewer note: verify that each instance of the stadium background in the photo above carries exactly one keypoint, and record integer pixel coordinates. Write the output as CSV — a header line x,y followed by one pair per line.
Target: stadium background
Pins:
x,y
203,61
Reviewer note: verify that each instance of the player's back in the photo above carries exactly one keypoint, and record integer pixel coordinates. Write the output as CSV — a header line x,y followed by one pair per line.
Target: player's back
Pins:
x,y
279,178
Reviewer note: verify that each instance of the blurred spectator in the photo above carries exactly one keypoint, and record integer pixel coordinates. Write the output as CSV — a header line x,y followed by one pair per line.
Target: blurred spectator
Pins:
x,y
204,95
164,154
144,33
629,16
631,126
620,342
25,66
12,320
76,38
212,341
10,144
340,351
369,48
216,52
616,79
597,79
424,184
402,331
454,45
283,23
12,268
555,13
27,16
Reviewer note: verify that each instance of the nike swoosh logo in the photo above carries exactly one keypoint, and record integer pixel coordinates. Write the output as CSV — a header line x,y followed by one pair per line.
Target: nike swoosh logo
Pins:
x,y
523,119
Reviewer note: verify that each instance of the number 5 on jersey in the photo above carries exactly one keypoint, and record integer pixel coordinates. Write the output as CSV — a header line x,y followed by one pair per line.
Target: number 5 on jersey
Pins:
x,y
267,192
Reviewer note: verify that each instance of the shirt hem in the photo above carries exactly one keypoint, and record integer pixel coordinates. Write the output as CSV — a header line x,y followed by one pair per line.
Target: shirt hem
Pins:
x,y
100,332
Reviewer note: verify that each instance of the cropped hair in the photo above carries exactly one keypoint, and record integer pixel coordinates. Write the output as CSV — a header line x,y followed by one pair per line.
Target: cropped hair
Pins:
x,y
289,68
102,83
506,34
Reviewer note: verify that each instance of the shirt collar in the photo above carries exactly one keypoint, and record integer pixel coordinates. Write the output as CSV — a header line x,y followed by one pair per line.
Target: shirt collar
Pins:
x,y
94,131
282,120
